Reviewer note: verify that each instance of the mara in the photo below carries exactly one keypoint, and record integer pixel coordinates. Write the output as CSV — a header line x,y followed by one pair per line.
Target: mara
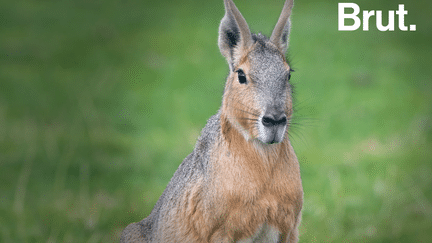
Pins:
x,y
242,181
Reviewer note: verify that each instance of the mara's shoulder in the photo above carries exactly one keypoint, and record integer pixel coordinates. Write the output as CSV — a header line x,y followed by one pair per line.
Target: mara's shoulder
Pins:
x,y
212,127
207,139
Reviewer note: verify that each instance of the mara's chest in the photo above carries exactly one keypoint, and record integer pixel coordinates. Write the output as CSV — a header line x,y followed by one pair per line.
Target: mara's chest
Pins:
x,y
266,218
257,204
256,196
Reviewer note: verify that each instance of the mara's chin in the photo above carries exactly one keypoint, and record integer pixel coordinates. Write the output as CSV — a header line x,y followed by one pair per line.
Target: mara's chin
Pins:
x,y
272,135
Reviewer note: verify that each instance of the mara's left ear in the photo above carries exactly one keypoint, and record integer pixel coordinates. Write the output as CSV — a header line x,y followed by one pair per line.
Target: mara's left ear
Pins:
x,y
234,34
280,34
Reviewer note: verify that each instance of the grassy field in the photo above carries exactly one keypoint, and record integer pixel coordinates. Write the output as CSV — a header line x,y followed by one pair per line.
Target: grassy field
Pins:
x,y
100,101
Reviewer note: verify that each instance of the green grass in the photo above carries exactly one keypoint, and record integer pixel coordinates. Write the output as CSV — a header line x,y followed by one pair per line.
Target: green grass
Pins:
x,y
101,101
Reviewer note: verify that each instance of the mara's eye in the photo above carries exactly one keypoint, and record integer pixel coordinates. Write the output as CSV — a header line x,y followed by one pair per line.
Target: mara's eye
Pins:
x,y
241,76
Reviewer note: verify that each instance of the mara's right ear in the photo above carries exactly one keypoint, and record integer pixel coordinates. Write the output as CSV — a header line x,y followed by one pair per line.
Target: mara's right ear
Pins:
x,y
280,34
234,34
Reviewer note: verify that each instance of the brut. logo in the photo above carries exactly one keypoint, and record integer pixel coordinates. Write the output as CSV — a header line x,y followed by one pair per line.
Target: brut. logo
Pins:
x,y
401,12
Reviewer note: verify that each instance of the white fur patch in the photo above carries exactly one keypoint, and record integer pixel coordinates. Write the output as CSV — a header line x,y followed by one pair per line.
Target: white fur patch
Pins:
x,y
264,234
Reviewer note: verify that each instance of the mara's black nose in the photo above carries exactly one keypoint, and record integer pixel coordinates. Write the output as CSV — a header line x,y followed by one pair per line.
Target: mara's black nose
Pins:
x,y
274,119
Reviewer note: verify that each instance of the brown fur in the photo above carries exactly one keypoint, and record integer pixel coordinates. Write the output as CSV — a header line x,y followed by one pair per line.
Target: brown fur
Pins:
x,y
251,186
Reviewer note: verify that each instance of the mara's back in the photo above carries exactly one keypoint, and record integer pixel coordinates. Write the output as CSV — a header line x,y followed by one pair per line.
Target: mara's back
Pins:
x,y
242,181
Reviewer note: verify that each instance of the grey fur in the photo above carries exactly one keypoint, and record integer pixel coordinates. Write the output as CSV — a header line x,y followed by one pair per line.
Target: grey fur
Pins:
x,y
194,166
270,78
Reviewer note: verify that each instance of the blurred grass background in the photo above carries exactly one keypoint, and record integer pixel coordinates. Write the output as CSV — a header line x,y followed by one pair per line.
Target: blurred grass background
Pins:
x,y
100,101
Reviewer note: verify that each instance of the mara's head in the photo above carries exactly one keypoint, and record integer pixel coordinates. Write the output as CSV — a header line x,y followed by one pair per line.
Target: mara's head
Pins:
x,y
257,98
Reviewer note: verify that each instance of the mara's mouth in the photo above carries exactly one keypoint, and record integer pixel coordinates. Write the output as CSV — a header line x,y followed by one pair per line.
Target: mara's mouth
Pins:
x,y
273,133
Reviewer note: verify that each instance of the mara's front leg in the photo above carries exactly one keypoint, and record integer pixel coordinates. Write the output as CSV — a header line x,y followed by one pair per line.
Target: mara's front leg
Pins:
x,y
294,234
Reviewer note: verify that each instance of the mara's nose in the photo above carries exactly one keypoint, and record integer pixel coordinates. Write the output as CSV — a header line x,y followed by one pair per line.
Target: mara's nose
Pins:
x,y
274,118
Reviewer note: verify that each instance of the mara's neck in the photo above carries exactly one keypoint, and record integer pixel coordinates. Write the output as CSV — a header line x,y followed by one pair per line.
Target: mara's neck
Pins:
x,y
252,150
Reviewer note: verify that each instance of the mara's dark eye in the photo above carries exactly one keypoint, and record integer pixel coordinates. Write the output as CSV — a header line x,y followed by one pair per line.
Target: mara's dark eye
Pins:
x,y
241,76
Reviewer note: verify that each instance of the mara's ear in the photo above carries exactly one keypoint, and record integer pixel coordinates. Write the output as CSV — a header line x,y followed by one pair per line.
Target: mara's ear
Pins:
x,y
234,34
280,34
